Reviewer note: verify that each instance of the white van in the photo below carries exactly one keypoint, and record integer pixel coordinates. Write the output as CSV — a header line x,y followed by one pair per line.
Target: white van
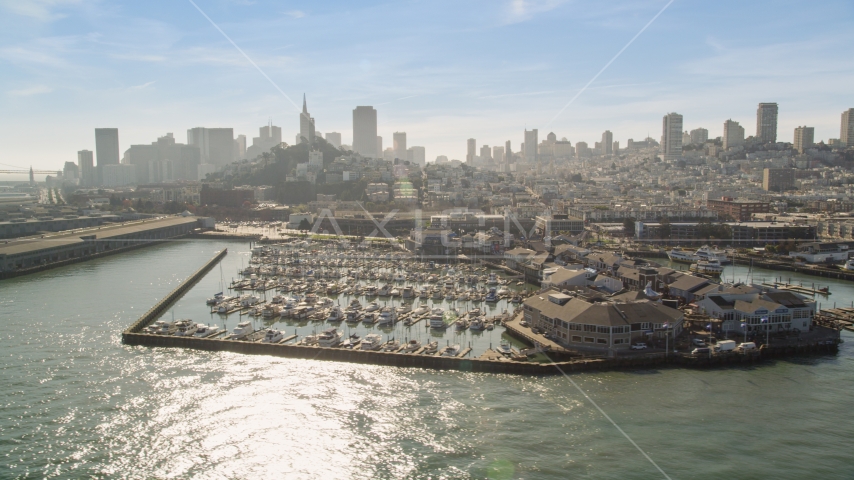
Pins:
x,y
747,346
725,346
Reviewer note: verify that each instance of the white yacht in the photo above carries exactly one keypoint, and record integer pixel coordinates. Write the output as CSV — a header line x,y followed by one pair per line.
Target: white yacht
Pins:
x,y
372,341
372,307
431,347
215,299
477,324
241,330
708,253
186,328
391,346
492,296
395,292
408,292
273,336
335,315
384,291
505,347
707,267
355,304
411,346
205,331
451,351
329,338
503,291
421,310
681,256
271,311
437,318
387,317
849,265
493,279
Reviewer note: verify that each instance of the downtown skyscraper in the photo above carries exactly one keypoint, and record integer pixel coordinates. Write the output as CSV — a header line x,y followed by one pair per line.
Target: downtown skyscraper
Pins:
x,y
365,131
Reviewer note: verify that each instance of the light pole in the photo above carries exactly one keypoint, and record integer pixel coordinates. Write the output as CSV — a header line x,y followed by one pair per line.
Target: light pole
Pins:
x,y
744,326
767,329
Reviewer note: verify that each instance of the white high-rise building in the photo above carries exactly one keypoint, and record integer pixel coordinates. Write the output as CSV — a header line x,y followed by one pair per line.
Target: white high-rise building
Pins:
x,y
216,145
417,155
804,138
733,134
471,150
671,136
699,136
399,145
531,142
498,154
365,131
334,139
315,159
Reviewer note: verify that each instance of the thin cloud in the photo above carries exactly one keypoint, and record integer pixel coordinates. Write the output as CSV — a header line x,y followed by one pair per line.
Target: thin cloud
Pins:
x,y
518,11
42,10
26,92
144,85
295,13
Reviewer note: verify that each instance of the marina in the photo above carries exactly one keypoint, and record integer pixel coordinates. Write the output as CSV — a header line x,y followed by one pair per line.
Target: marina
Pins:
x,y
337,296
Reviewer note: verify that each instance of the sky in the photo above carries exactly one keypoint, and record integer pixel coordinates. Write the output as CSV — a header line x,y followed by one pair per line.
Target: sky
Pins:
x,y
442,71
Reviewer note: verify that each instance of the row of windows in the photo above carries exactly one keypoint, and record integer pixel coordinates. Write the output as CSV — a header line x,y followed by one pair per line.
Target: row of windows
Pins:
x,y
600,341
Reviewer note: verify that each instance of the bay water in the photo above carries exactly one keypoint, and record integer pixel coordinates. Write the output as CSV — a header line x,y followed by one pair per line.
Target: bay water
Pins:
x,y
76,403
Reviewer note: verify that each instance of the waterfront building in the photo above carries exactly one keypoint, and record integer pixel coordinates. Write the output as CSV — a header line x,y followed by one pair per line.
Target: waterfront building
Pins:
x,y
163,161
746,308
603,327
35,252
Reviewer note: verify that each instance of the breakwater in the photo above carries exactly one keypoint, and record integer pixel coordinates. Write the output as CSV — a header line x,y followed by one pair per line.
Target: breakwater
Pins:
x,y
159,307
471,365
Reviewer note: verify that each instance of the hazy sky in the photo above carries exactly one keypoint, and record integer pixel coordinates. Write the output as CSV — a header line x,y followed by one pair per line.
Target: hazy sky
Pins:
x,y
441,71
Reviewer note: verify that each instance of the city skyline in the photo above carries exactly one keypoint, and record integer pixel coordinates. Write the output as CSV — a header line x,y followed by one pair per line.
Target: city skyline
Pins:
x,y
187,74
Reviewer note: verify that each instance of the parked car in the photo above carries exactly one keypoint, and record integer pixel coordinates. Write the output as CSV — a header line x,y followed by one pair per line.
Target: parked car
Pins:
x,y
747,346
698,342
701,351
523,323
639,346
